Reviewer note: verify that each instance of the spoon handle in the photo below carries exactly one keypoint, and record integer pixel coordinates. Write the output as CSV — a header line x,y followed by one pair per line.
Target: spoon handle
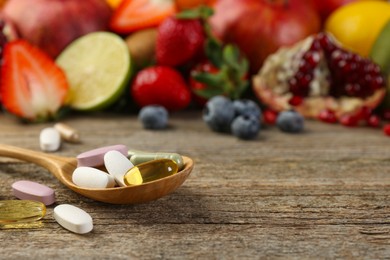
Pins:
x,y
45,160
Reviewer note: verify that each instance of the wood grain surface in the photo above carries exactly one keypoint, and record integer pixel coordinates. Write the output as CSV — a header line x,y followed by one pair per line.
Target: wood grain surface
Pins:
x,y
322,194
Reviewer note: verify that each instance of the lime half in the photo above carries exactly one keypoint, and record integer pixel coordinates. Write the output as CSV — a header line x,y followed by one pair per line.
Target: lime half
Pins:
x,y
98,68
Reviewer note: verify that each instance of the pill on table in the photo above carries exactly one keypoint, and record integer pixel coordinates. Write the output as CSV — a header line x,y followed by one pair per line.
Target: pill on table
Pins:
x,y
89,177
73,218
138,158
19,211
49,139
29,190
150,171
117,165
67,133
95,157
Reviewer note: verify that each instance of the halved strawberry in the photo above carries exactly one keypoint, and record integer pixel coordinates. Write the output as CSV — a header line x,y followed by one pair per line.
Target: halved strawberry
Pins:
x,y
32,86
132,15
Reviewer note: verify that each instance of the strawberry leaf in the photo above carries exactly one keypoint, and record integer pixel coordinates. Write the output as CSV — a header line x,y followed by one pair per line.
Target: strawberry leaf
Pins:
x,y
211,80
213,52
202,12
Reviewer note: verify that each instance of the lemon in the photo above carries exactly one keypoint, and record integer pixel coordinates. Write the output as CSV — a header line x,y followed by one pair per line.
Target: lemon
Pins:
x,y
98,68
358,24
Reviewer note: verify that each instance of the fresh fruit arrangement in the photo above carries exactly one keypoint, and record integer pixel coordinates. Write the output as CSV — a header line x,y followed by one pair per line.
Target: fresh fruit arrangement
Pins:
x,y
324,60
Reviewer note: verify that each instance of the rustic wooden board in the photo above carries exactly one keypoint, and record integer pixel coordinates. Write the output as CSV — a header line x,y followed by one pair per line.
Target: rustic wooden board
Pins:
x,y
321,194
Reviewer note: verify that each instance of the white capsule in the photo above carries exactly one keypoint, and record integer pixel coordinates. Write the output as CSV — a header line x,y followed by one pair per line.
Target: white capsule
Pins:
x,y
49,139
67,133
89,177
117,165
73,218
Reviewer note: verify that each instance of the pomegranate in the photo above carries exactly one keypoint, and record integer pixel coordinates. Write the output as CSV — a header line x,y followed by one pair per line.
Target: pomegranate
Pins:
x,y
321,80
53,24
260,27
326,7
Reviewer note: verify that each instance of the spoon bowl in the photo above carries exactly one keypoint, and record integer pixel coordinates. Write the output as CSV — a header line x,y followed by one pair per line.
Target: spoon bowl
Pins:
x,y
63,167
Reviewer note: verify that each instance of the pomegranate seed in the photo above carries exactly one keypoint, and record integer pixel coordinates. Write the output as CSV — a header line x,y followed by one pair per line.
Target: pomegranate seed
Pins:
x,y
325,42
312,58
295,100
315,45
373,121
270,116
294,88
304,67
336,57
386,129
367,79
353,89
364,113
304,81
377,82
386,114
356,58
327,116
349,120
299,85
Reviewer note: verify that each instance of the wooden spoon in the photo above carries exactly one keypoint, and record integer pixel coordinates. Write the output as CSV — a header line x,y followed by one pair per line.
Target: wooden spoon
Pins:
x,y
63,167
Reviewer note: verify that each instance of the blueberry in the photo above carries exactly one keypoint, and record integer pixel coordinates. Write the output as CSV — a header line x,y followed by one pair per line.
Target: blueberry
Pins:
x,y
290,121
153,117
218,113
246,127
247,107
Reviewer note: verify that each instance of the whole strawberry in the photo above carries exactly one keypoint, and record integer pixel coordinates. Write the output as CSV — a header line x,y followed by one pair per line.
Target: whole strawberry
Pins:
x,y
179,41
160,85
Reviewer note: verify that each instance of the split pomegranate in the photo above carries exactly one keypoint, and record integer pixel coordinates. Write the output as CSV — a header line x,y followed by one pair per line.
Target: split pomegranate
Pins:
x,y
320,79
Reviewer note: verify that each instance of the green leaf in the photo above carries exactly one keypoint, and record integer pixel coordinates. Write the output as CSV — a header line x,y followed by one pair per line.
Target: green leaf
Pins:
x,y
244,67
213,52
231,56
202,12
211,80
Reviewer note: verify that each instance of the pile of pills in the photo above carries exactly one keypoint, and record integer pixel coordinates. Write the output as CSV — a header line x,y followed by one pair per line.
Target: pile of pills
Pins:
x,y
104,167
31,206
120,170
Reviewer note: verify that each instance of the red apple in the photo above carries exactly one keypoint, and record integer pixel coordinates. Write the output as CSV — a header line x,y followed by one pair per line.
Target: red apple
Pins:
x,y
53,24
260,27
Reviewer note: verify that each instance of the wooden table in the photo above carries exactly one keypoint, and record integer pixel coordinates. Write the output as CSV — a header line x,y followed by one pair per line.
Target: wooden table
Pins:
x,y
321,194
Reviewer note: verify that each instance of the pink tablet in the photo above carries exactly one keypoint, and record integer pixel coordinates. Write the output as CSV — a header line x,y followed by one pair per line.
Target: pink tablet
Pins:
x,y
95,157
29,190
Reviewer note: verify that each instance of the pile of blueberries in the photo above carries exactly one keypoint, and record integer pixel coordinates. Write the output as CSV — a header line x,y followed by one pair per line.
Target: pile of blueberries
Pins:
x,y
242,117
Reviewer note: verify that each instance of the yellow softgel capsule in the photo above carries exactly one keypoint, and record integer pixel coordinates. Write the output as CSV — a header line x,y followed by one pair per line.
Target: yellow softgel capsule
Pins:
x,y
150,171
19,211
